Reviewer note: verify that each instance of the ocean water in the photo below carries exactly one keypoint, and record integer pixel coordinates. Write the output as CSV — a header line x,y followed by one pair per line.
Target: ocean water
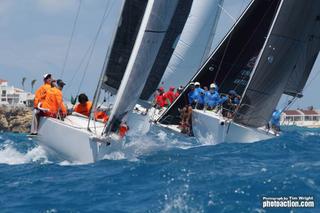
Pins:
x,y
162,172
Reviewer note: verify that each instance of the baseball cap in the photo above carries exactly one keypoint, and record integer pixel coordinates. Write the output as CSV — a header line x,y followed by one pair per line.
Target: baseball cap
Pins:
x,y
197,84
213,85
46,76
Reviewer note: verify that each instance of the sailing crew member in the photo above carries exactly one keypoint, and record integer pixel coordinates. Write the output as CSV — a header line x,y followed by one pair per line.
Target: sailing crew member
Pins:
x,y
160,99
212,98
101,115
275,121
54,101
40,95
186,123
193,95
169,95
231,104
201,95
84,105
178,92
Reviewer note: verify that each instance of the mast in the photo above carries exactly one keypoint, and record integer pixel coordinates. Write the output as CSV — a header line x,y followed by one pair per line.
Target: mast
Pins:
x,y
291,32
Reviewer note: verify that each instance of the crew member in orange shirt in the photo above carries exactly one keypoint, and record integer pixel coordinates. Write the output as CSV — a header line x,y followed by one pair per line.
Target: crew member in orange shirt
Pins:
x,y
53,102
40,95
84,105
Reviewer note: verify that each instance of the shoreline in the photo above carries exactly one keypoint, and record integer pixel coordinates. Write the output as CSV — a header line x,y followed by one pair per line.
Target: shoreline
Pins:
x,y
15,119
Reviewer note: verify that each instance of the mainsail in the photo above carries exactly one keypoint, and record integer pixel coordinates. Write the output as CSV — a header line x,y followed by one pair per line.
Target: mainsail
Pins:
x,y
194,44
231,63
127,31
151,35
294,29
172,34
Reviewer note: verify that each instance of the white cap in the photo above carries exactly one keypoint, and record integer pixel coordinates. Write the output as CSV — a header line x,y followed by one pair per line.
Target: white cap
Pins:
x,y
45,76
191,83
213,85
197,84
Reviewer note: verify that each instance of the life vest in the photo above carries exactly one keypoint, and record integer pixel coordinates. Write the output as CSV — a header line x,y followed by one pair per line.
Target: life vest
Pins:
x,y
40,94
83,109
54,103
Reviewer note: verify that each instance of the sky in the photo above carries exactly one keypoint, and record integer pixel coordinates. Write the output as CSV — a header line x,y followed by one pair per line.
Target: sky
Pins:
x,y
35,35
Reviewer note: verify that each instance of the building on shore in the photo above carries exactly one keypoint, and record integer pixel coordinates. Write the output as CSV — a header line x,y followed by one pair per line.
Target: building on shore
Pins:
x,y
13,96
301,117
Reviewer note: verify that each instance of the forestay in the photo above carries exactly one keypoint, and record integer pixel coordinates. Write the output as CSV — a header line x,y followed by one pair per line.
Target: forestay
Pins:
x,y
287,46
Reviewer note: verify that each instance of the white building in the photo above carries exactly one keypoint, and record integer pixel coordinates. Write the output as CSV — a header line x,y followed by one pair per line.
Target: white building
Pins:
x,y
301,117
14,96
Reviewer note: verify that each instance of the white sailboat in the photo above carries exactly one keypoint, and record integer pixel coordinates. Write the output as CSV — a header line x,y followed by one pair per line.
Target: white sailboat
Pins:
x,y
141,31
276,37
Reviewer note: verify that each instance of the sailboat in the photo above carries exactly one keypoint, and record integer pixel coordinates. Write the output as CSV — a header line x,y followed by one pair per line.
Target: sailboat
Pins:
x,y
143,30
268,52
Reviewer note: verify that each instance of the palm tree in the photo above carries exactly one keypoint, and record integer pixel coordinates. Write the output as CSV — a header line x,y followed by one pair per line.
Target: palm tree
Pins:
x,y
22,83
32,84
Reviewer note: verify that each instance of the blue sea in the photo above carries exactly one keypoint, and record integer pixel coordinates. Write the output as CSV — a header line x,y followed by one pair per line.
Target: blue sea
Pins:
x,y
162,172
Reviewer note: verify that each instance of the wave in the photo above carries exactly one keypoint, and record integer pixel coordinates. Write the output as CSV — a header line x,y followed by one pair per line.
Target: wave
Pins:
x,y
10,155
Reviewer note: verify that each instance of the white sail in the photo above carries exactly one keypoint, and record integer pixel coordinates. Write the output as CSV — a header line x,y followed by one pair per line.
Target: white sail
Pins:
x,y
156,20
194,44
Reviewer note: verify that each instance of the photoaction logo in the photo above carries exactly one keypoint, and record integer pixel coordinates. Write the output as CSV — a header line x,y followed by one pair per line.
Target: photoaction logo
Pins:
x,y
288,202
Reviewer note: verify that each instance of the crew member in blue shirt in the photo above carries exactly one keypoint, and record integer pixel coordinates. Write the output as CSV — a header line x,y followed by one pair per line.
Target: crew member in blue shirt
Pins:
x,y
212,97
275,121
200,96
193,95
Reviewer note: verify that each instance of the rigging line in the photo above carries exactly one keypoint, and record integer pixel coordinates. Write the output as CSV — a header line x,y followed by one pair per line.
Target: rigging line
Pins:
x,y
70,41
80,65
226,12
105,14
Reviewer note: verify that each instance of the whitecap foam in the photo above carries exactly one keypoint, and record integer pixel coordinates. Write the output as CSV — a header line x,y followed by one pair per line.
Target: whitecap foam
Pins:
x,y
10,155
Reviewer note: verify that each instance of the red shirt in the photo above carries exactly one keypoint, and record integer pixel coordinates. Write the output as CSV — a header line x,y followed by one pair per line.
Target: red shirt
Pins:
x,y
161,100
170,96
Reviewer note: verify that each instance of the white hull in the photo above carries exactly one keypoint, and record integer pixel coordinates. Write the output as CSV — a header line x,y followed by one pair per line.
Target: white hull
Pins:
x,y
211,128
71,140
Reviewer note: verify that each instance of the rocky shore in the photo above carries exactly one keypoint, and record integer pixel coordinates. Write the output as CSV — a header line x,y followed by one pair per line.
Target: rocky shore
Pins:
x,y
15,119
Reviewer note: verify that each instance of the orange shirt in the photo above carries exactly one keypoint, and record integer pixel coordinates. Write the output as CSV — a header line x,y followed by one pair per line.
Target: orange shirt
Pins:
x,y
40,94
101,115
83,109
54,102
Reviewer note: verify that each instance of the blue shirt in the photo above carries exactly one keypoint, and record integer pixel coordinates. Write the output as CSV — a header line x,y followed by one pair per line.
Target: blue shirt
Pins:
x,y
211,99
275,119
193,96
200,96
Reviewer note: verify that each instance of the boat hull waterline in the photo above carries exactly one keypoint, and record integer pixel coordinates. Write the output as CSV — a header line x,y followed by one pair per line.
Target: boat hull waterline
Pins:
x,y
71,140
